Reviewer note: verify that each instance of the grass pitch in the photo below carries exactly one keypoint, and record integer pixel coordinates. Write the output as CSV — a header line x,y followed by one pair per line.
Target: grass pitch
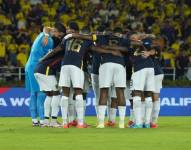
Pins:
x,y
174,133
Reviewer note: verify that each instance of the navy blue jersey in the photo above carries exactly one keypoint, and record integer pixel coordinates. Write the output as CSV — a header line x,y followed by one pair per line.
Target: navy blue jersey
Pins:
x,y
51,65
157,62
96,60
96,57
75,50
140,62
56,41
86,62
128,65
157,66
115,41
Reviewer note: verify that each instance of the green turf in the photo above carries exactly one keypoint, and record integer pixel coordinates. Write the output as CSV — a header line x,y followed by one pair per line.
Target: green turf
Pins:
x,y
174,133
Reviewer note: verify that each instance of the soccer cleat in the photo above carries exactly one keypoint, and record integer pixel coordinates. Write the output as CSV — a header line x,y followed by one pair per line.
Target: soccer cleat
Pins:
x,y
130,123
55,125
88,125
73,123
81,126
153,125
35,124
65,126
100,126
110,124
42,125
45,123
135,126
146,126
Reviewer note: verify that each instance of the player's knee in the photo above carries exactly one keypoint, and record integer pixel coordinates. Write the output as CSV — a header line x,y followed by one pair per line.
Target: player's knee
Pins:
x,y
113,102
137,93
155,97
49,93
78,91
122,103
54,93
148,94
66,91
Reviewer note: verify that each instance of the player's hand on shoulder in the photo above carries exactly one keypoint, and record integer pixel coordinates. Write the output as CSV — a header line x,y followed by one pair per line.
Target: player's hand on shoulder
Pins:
x,y
145,54
68,36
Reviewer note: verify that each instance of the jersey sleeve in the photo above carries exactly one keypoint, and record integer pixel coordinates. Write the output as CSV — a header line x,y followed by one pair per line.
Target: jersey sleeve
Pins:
x,y
125,42
63,43
101,40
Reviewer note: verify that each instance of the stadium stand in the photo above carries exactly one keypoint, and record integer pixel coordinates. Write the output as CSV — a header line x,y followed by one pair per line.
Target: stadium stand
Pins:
x,y
22,20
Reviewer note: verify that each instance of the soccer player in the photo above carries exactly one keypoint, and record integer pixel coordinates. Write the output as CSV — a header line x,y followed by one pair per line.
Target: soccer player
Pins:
x,y
113,105
143,84
96,60
112,72
42,44
159,75
45,74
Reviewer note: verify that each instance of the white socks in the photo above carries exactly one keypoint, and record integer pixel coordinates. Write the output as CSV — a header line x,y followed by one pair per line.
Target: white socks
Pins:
x,y
55,105
148,109
101,113
112,114
84,108
122,111
64,109
80,109
71,110
47,106
137,110
143,111
155,111
131,116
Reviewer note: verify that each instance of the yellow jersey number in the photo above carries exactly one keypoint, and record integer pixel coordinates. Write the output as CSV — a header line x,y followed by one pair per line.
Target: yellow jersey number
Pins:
x,y
75,45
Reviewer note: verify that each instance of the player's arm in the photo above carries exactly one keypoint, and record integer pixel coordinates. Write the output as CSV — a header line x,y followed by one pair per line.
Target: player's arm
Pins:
x,y
146,54
116,48
100,49
139,36
52,53
92,37
59,48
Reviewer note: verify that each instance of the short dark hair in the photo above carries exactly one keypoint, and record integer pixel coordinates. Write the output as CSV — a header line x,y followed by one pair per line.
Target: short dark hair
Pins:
x,y
60,27
73,25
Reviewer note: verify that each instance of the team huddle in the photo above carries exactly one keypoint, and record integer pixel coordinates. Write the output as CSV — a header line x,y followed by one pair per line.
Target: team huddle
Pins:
x,y
120,66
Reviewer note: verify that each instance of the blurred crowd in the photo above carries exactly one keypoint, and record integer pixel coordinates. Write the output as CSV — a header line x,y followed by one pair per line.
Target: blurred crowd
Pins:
x,y
22,20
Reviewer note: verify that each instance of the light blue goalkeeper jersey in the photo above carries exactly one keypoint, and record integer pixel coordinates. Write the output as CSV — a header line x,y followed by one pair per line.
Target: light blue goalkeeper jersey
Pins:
x,y
38,50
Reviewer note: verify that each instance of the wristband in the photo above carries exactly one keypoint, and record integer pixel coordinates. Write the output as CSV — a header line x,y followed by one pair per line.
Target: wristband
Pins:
x,y
94,37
